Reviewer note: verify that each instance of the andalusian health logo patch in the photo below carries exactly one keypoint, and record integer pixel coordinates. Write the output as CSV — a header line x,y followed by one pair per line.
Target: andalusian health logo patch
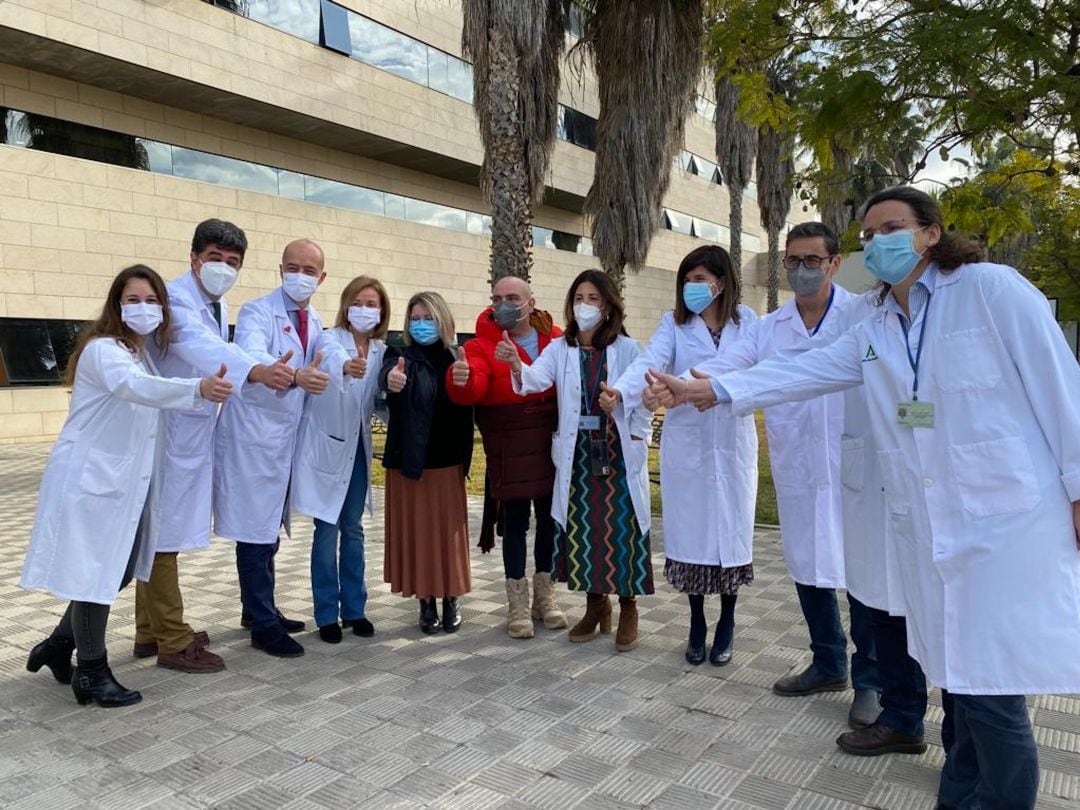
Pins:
x,y
870,354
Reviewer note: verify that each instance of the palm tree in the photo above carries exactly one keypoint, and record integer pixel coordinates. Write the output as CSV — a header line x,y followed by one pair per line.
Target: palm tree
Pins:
x,y
834,197
775,167
515,47
647,58
735,142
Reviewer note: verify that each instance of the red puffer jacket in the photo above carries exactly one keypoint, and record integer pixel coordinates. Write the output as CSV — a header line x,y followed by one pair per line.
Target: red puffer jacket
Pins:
x,y
516,430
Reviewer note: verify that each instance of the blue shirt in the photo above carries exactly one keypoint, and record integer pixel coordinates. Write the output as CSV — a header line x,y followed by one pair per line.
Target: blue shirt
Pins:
x,y
530,343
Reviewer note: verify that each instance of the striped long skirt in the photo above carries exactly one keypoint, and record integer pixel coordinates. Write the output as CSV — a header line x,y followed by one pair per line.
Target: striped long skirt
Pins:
x,y
602,549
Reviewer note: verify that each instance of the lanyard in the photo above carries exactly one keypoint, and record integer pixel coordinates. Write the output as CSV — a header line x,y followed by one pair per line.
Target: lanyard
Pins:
x,y
828,306
914,360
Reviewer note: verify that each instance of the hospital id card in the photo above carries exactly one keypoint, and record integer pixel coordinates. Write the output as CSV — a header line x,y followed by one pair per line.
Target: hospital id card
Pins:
x,y
915,414
589,422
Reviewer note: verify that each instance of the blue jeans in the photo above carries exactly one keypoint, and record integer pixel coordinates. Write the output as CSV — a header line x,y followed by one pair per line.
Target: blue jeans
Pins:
x,y
255,570
828,642
340,588
903,685
991,762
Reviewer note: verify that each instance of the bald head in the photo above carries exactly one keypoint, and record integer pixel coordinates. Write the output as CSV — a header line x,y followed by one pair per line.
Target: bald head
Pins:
x,y
512,285
303,252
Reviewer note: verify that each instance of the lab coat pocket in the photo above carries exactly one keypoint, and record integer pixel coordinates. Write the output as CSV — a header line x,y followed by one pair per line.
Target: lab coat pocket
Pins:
x,y
681,446
104,475
893,474
329,454
852,461
994,477
965,361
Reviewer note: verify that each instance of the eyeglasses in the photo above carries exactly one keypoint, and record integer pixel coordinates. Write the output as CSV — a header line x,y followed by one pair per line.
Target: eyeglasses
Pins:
x,y
812,262
867,236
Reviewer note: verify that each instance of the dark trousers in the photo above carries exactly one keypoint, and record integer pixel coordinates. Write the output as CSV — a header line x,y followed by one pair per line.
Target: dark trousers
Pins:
x,y
903,685
991,762
515,534
255,570
828,642
84,623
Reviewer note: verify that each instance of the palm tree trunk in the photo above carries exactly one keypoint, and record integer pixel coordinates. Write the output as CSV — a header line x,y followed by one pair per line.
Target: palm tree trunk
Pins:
x,y
735,226
774,269
511,211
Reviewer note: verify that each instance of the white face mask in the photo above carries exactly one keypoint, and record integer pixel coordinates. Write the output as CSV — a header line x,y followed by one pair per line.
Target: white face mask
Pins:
x,y
142,319
364,319
217,277
587,316
299,287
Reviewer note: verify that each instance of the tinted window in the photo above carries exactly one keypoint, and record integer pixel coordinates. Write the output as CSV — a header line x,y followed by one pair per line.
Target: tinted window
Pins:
x,y
343,195
298,17
335,28
387,49
440,216
225,171
28,352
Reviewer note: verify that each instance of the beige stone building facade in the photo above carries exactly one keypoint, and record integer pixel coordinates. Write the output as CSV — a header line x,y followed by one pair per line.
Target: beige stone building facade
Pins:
x,y
126,122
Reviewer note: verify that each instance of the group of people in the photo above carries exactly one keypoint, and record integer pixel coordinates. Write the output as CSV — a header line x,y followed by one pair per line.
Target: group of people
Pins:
x,y
946,502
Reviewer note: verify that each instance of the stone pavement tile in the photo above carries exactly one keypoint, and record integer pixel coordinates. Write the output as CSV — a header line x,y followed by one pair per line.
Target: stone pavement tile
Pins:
x,y
553,794
347,791
896,797
761,792
842,784
680,797
711,778
506,778
632,786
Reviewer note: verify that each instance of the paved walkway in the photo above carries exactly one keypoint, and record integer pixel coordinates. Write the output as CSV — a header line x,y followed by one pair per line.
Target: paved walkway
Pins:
x,y
475,720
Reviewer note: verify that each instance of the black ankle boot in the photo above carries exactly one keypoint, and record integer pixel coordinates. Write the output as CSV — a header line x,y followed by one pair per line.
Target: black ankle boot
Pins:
x,y
54,653
429,616
451,618
93,680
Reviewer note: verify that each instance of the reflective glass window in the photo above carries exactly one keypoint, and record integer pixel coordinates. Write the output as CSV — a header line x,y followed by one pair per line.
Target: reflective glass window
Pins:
x,y
750,190
438,70
543,237
439,216
751,242
335,28
675,221
225,171
576,127
343,195
395,206
723,234
388,49
561,240
459,78
26,352
16,129
585,247
290,184
474,223
297,17
705,108
158,156
574,20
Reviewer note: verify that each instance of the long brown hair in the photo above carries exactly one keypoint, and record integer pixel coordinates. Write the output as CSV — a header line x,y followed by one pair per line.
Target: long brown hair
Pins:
x,y
612,326
950,252
111,324
348,295
717,261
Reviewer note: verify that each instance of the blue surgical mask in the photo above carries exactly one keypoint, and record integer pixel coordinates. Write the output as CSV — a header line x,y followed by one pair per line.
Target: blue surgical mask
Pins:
x,y
892,256
697,295
424,332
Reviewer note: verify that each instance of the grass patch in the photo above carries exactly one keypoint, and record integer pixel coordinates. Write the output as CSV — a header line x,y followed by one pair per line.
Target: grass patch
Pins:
x,y
474,485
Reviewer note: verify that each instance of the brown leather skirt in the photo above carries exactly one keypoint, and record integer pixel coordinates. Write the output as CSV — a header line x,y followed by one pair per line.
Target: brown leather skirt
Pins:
x,y
427,534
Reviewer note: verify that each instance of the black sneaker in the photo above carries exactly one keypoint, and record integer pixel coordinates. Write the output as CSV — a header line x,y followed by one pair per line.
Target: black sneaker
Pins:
x,y
362,628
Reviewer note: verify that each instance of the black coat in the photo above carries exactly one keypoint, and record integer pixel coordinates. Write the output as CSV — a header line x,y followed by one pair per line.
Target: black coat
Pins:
x,y
426,429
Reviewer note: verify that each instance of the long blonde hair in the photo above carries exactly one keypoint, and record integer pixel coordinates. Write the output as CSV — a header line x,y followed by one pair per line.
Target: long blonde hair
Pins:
x,y
348,295
439,310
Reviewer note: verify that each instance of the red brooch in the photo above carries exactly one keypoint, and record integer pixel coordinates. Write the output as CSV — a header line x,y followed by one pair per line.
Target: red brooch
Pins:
x,y
288,328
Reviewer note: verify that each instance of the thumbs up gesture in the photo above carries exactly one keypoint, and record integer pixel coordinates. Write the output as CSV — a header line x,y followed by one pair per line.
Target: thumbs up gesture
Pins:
x,y
699,391
507,352
357,366
216,388
310,378
459,371
609,397
278,376
396,379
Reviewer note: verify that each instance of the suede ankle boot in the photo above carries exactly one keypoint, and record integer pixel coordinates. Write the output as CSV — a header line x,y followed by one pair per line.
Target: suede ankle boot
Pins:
x,y
626,637
597,618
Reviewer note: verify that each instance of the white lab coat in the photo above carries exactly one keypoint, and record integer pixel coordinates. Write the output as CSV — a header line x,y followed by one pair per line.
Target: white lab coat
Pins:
x,y
185,481
804,450
869,559
332,427
256,433
980,503
97,483
708,461
560,365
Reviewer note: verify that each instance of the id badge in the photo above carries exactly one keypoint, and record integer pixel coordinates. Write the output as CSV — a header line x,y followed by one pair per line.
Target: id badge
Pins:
x,y
598,457
589,422
915,414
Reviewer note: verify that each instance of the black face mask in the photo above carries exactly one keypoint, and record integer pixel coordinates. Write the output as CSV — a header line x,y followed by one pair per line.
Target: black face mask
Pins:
x,y
507,315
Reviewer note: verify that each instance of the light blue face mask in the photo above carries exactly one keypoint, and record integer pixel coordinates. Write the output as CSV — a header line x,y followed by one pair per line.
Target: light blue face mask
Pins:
x,y
697,295
424,332
892,256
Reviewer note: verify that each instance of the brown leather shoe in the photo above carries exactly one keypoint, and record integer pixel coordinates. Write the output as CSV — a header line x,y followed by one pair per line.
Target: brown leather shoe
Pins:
x,y
145,649
193,658
878,739
626,637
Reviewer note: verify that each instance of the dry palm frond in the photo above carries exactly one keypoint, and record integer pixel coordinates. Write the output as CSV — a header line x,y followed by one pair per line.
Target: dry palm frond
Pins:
x,y
735,144
647,59
775,167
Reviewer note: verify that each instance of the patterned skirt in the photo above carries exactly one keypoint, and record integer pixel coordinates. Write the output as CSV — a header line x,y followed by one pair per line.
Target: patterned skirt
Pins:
x,y
602,549
706,579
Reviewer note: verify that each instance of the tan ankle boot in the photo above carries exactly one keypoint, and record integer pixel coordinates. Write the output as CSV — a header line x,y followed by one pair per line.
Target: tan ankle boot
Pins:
x,y
597,615
626,637
544,605
518,622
